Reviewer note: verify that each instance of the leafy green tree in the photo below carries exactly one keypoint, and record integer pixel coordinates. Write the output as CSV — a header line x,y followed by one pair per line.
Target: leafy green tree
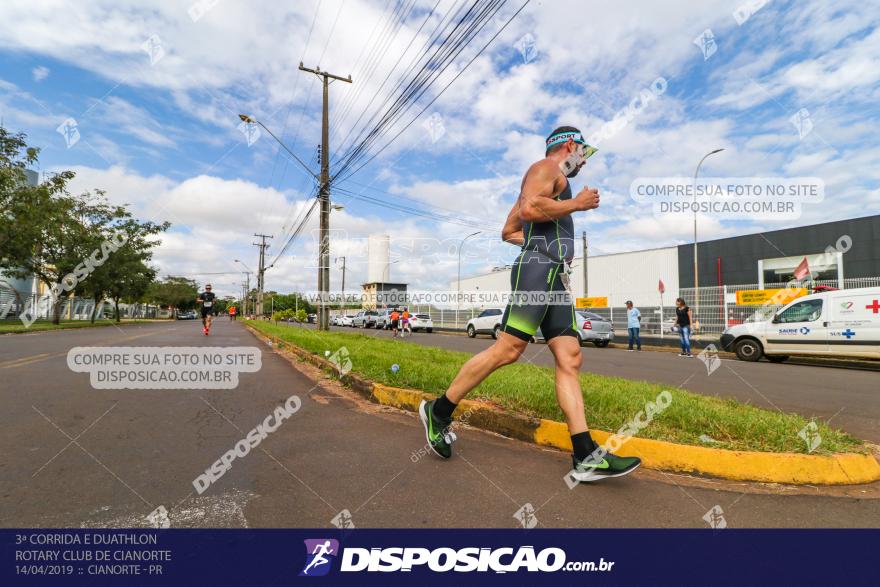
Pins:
x,y
174,292
125,273
65,240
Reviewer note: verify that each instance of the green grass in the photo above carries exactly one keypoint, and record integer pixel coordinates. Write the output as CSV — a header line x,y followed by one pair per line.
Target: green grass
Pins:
x,y
610,401
16,326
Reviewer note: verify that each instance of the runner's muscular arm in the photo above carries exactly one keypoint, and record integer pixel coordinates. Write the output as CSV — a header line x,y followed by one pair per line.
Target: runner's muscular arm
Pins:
x,y
513,230
537,203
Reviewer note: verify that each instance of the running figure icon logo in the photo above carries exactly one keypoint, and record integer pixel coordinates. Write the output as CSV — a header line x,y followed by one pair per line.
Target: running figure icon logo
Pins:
x,y
320,553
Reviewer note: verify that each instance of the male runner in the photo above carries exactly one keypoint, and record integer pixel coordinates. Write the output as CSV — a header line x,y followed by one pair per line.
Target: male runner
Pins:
x,y
395,320
541,221
206,299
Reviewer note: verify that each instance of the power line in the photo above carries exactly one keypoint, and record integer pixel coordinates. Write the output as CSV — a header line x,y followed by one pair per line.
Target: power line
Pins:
x,y
431,207
446,87
376,52
287,115
448,219
296,232
343,106
467,27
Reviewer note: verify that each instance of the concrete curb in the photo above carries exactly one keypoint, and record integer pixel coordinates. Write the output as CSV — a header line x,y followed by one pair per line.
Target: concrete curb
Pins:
x,y
788,468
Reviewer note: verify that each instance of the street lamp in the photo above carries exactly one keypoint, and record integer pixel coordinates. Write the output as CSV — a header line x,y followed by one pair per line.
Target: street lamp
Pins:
x,y
251,120
336,260
323,181
248,286
696,268
458,297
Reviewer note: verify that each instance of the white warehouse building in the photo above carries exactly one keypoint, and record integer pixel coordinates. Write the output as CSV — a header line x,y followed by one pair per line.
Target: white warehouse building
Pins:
x,y
619,277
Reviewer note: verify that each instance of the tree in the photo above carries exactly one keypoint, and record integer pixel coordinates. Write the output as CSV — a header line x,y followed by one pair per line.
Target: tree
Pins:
x,y
292,301
174,292
126,273
132,281
65,240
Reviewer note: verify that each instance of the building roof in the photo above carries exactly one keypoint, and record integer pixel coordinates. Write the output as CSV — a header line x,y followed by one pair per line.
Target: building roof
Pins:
x,y
383,283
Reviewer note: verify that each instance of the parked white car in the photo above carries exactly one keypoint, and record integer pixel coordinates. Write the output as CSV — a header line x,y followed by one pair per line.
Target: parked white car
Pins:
x,y
421,322
346,320
840,323
488,322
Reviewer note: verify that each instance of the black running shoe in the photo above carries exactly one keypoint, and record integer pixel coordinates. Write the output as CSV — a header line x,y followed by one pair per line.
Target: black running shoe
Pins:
x,y
610,465
440,438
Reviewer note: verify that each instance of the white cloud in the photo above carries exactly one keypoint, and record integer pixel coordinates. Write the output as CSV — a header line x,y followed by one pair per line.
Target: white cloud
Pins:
x,y
40,73
237,59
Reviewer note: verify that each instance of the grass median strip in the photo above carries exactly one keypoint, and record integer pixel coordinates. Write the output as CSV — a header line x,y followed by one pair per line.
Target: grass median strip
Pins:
x,y
610,402
16,326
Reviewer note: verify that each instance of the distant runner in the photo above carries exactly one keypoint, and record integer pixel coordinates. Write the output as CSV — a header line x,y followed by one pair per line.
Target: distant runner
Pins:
x,y
395,322
232,312
206,299
404,322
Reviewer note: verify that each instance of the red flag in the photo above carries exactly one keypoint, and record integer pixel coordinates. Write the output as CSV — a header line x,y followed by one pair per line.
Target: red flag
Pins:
x,y
660,287
802,270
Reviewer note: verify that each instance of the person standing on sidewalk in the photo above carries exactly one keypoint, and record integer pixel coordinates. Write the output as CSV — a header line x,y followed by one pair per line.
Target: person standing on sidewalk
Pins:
x,y
633,325
683,320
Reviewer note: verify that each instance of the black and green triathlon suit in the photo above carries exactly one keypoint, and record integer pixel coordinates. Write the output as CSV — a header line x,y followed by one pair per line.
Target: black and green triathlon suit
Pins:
x,y
540,269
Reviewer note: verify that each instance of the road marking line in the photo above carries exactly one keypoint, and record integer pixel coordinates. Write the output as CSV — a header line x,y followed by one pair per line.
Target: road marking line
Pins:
x,y
24,361
14,362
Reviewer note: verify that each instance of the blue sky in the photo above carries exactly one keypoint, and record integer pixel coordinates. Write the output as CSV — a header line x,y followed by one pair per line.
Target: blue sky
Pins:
x,y
164,137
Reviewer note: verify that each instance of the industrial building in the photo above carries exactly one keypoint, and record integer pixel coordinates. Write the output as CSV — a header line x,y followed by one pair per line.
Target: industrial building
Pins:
x,y
379,291
754,261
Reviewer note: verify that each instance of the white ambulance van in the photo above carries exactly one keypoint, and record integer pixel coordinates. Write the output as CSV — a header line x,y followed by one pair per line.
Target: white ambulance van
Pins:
x,y
839,323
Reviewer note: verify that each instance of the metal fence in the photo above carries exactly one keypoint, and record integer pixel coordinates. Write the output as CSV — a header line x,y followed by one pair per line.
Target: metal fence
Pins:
x,y
715,308
13,303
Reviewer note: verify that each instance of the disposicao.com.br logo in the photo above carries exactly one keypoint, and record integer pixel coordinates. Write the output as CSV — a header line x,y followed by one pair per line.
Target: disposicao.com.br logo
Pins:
x,y
320,553
444,559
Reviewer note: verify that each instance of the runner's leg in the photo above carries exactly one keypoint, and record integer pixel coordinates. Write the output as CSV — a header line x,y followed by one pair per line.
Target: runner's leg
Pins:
x,y
567,353
506,350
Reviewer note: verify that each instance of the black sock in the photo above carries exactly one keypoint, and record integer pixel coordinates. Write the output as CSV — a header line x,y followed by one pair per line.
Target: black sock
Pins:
x,y
443,408
583,445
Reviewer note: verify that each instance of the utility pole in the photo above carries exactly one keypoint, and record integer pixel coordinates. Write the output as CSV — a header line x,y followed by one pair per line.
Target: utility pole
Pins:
x,y
247,291
584,236
342,304
324,198
261,270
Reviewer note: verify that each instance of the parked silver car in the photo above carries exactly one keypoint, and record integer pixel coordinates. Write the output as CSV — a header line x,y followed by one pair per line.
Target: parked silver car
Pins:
x,y
383,319
365,319
591,328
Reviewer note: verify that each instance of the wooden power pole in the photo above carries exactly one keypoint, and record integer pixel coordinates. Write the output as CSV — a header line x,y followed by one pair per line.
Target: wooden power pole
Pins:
x,y
261,270
324,199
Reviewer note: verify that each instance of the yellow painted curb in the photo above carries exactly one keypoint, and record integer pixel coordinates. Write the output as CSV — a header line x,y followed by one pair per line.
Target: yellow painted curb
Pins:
x,y
790,468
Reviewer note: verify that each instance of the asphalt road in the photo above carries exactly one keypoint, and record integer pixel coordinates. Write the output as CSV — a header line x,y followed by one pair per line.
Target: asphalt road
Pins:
x,y
848,398
74,456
